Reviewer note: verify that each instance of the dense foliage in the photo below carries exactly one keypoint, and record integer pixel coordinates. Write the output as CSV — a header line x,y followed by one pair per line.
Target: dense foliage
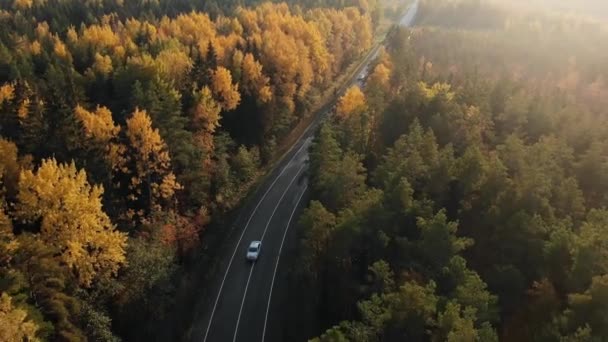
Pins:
x,y
461,196
126,127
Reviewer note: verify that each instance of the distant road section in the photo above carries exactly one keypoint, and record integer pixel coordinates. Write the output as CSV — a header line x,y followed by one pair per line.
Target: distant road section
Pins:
x,y
410,15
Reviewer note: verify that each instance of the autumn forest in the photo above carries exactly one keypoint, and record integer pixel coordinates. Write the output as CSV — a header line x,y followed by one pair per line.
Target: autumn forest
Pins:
x,y
127,128
459,194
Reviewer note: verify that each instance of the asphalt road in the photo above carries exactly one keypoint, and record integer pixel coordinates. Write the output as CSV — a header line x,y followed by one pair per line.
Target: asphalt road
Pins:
x,y
242,307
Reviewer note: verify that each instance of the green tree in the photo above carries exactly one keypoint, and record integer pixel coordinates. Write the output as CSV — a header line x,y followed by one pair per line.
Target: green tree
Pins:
x,y
588,309
456,324
590,257
382,277
318,224
591,172
471,291
438,241
47,284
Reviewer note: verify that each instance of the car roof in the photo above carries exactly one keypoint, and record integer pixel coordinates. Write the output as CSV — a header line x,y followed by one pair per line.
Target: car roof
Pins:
x,y
255,243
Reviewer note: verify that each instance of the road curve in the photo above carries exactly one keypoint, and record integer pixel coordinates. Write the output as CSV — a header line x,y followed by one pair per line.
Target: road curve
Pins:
x,y
241,308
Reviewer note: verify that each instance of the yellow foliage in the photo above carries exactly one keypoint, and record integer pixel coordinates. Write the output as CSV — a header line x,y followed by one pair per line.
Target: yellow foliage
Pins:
x,y
146,140
206,113
102,64
251,69
362,28
347,33
7,93
150,158
9,166
204,140
265,94
9,176
190,28
119,51
14,323
23,4
35,48
72,35
353,101
385,58
24,109
225,26
293,50
98,125
296,51
71,219
254,81
60,49
225,47
144,61
430,92
227,93
174,64
168,186
8,243
380,76
42,29
100,36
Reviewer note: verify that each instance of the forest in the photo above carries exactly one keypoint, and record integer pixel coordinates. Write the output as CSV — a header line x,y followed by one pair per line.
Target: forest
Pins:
x,y
461,194
127,128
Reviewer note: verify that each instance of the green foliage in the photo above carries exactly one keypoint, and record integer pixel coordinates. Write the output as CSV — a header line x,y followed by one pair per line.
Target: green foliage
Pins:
x,y
590,249
438,243
338,177
41,280
318,224
97,325
234,171
382,277
456,324
471,291
588,309
489,161
145,289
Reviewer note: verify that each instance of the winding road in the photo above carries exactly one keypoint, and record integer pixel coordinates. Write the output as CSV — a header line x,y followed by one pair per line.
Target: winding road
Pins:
x,y
243,307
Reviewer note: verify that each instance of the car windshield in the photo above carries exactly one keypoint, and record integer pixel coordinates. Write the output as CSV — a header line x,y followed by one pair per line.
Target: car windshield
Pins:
x,y
253,249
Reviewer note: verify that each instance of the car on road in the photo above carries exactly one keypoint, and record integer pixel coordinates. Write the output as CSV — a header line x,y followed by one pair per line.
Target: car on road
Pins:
x,y
253,251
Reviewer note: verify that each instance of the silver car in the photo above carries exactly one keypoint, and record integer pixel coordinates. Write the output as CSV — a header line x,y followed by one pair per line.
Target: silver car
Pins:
x,y
253,252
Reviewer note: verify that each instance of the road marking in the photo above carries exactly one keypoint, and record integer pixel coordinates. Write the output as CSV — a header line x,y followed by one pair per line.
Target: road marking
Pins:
x,y
264,196
238,320
243,302
281,200
276,266
217,299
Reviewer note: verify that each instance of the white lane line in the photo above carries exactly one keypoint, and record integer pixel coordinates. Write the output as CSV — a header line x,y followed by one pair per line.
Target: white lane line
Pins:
x,y
281,200
276,266
243,302
217,299
238,320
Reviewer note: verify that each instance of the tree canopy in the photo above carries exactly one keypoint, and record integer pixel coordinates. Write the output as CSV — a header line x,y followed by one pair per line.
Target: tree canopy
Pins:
x,y
478,213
